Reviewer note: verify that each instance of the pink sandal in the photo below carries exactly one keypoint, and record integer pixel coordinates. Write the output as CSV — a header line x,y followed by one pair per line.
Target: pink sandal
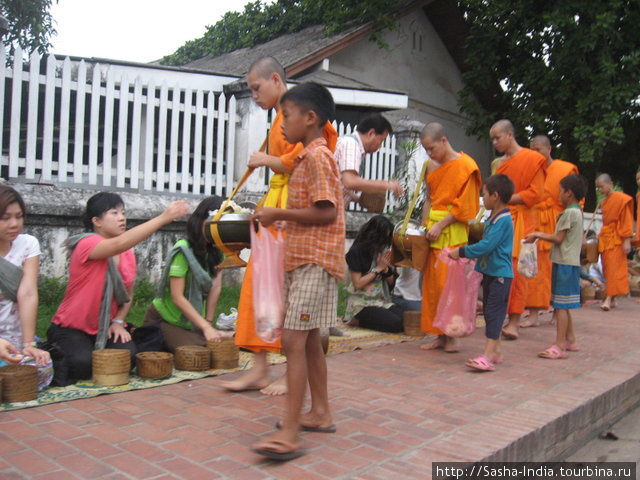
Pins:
x,y
571,347
482,363
554,352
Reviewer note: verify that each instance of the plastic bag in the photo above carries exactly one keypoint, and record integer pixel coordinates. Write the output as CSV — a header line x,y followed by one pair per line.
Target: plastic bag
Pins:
x,y
456,314
227,321
528,260
267,259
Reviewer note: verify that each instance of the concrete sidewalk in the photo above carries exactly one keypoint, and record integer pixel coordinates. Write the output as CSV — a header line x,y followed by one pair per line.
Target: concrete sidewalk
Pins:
x,y
397,408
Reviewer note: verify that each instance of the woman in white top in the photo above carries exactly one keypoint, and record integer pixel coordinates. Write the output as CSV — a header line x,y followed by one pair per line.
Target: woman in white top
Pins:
x,y
20,261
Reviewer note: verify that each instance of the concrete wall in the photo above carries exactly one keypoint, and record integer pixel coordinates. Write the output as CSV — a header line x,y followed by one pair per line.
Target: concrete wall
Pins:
x,y
54,213
428,75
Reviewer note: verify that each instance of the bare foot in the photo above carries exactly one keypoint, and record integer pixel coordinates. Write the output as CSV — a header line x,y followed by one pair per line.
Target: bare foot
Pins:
x,y
450,345
248,381
313,420
510,332
279,387
436,344
530,322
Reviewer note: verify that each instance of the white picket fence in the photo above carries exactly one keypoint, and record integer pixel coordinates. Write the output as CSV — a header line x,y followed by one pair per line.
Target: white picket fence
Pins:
x,y
76,123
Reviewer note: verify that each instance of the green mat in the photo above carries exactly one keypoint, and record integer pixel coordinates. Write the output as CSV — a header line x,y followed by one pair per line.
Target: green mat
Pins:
x,y
353,339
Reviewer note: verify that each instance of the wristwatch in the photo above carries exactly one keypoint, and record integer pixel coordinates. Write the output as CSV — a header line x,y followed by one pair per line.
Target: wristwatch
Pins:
x,y
117,320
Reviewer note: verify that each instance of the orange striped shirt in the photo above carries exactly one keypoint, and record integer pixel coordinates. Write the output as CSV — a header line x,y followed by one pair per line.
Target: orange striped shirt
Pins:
x,y
315,178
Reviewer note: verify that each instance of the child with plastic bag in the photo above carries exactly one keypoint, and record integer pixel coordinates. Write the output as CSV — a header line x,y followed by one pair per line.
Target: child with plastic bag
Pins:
x,y
494,262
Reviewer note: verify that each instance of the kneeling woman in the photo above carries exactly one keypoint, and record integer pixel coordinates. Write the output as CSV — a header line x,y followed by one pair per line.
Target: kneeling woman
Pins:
x,y
190,287
369,302
102,270
19,264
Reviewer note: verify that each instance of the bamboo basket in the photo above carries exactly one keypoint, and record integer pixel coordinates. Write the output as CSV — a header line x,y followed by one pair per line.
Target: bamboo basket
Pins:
x,y
111,366
154,364
19,383
373,202
224,354
411,323
192,358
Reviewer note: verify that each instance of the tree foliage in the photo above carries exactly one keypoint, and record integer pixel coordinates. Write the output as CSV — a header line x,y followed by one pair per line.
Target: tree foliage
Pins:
x,y
261,22
30,24
569,68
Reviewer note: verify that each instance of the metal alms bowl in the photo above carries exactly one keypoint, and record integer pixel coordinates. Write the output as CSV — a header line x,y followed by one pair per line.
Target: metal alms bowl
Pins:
x,y
233,228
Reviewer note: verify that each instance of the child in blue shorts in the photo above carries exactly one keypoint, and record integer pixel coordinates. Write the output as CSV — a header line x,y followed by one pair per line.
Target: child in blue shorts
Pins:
x,y
494,262
565,258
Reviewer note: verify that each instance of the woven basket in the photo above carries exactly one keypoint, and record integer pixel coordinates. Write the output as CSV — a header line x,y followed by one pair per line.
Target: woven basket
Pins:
x,y
411,323
224,354
19,383
154,364
373,202
192,358
111,366
588,293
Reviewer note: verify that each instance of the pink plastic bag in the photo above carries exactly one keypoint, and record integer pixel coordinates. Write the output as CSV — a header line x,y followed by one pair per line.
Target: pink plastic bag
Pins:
x,y
267,260
456,315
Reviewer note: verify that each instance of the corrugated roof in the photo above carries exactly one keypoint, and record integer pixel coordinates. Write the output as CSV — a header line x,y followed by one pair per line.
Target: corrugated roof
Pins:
x,y
288,49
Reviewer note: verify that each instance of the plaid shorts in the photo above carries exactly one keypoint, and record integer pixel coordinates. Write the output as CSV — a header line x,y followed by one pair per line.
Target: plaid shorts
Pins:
x,y
312,298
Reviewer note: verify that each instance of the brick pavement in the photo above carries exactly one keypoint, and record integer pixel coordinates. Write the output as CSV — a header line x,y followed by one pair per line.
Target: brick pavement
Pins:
x,y
397,408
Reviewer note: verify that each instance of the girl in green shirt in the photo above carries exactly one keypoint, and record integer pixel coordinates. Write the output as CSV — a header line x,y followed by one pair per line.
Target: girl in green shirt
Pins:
x,y
190,286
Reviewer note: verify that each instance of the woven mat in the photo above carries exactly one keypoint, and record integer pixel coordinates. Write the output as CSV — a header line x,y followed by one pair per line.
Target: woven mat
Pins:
x,y
353,339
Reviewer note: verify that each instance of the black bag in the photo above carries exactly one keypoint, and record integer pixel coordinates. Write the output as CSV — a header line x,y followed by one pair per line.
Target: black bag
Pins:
x,y
60,367
148,338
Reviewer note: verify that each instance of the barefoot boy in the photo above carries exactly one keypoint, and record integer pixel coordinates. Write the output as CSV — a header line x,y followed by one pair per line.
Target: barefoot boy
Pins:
x,y
494,254
314,262
565,258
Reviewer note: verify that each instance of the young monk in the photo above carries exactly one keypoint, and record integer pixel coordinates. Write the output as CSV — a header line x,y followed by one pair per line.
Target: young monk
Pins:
x,y
453,198
636,239
313,262
267,81
546,212
614,240
527,170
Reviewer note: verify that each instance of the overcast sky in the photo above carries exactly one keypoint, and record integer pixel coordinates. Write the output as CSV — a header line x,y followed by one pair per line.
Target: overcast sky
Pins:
x,y
134,30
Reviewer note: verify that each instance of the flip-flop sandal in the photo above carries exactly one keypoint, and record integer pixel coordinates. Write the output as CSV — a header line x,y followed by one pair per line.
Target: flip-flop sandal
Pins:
x,y
497,360
554,352
482,363
264,449
509,335
330,429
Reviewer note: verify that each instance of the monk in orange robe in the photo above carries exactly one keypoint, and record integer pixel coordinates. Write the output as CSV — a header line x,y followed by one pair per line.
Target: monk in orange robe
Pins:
x,y
614,240
453,185
636,239
267,82
527,169
546,213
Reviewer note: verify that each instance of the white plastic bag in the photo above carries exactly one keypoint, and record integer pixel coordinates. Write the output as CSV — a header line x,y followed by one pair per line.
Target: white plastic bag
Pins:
x,y
528,260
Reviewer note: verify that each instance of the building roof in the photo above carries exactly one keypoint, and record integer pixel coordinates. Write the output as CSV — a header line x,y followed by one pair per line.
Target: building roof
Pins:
x,y
289,49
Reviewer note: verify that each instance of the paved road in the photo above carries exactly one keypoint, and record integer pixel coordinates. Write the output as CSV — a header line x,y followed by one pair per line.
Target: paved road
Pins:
x,y
625,449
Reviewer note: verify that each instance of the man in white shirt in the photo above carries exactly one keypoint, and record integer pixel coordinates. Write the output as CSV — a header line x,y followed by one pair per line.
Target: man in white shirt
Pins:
x,y
371,132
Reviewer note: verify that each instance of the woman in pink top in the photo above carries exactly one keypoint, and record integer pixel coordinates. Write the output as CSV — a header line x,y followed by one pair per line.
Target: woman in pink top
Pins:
x,y
76,326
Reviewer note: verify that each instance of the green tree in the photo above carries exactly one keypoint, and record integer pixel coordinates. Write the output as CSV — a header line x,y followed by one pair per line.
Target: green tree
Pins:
x,y
260,22
30,24
569,69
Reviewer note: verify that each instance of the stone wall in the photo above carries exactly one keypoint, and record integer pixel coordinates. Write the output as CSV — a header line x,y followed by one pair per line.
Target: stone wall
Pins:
x,y
54,213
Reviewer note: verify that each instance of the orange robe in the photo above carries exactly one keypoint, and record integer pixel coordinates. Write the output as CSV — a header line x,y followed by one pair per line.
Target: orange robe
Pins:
x,y
527,170
636,240
617,224
546,213
246,336
454,187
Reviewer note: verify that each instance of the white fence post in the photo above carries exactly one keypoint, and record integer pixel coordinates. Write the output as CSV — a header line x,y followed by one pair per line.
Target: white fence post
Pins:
x,y
32,115
65,107
78,139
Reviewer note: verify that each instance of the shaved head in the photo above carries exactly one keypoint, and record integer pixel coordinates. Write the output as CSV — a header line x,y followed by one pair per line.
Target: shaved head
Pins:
x,y
604,178
434,131
504,125
267,66
542,140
